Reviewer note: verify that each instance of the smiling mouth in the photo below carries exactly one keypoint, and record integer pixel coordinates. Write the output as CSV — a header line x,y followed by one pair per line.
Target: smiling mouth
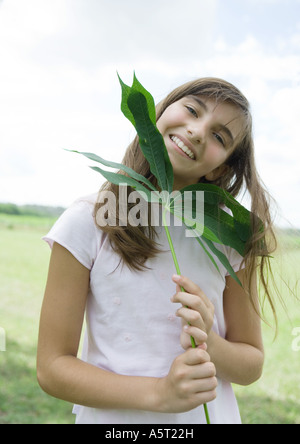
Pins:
x,y
183,147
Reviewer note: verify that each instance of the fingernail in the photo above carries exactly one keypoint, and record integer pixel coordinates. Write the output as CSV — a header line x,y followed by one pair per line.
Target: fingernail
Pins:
x,y
176,278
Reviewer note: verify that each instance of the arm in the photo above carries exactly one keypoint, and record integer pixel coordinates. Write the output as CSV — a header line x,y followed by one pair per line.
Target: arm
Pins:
x,y
239,357
60,372
62,375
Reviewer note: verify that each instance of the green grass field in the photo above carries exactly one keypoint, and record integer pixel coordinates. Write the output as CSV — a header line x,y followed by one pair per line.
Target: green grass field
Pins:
x,y
24,259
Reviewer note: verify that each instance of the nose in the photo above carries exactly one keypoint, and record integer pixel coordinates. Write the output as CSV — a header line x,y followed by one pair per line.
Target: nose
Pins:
x,y
197,134
194,138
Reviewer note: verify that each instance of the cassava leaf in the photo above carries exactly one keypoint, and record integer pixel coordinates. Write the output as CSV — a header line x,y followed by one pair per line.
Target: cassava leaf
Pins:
x,y
137,86
151,142
119,166
208,253
193,219
209,238
217,195
222,225
124,106
234,231
120,179
223,259
214,223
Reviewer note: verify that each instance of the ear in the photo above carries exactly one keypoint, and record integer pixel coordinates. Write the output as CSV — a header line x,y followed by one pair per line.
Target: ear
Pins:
x,y
217,173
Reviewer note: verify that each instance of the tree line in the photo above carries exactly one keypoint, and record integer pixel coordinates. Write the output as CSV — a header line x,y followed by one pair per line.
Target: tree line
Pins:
x,y
30,210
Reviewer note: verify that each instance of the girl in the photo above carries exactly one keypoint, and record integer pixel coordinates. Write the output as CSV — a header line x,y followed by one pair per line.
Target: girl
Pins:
x,y
138,365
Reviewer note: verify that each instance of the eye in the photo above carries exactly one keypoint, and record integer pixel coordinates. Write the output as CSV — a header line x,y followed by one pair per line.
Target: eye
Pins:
x,y
192,111
219,139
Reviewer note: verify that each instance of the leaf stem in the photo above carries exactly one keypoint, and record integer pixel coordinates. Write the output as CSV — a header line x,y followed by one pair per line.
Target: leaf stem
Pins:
x,y
206,414
175,260
171,245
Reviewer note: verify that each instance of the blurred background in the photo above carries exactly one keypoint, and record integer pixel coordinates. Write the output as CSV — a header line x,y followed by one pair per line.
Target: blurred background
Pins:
x,y
59,89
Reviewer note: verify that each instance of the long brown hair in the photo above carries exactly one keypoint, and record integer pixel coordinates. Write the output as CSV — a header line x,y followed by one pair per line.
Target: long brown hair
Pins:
x,y
137,244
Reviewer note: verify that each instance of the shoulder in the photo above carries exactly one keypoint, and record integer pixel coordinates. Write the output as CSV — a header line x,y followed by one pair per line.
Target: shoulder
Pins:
x,y
79,217
81,211
77,231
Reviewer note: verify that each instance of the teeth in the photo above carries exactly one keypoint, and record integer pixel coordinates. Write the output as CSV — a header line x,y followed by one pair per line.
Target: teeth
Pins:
x,y
182,146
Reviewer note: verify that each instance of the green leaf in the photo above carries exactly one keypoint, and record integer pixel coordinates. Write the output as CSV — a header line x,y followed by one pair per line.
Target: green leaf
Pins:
x,y
234,231
223,259
151,142
139,107
120,179
119,166
208,237
212,223
193,218
222,225
198,238
124,106
137,86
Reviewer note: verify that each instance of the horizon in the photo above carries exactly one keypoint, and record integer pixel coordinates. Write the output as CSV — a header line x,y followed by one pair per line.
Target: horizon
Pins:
x,y
287,227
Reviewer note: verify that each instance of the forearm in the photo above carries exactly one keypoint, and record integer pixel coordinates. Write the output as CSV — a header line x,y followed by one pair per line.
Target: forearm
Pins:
x,y
235,362
75,381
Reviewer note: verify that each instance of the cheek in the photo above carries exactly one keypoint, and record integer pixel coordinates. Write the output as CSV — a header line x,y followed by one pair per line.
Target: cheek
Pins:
x,y
171,118
215,156
211,155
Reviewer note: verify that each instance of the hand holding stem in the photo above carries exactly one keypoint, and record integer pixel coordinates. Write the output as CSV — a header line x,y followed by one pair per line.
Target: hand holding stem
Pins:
x,y
184,283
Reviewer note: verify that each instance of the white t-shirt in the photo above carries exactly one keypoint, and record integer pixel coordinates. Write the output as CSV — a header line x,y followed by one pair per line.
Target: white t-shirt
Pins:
x,y
131,327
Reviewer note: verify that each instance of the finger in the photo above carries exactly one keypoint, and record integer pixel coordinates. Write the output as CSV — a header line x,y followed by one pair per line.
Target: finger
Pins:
x,y
190,287
207,370
195,356
206,397
199,335
190,300
206,384
191,317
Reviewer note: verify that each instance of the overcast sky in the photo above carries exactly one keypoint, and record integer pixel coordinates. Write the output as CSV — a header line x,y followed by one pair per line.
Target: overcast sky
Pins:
x,y
59,88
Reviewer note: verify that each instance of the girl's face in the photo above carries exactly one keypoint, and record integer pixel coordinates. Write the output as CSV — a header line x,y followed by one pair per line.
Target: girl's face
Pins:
x,y
199,135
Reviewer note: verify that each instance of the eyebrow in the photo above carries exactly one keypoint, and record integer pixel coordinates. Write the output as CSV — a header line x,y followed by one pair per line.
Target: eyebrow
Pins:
x,y
222,127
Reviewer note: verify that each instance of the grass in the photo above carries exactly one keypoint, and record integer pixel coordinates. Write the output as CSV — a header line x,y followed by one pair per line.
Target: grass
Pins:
x,y
275,399
23,270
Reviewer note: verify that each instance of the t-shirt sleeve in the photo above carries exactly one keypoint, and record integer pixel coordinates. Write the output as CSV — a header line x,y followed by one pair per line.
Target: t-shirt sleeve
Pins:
x,y
76,231
235,260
